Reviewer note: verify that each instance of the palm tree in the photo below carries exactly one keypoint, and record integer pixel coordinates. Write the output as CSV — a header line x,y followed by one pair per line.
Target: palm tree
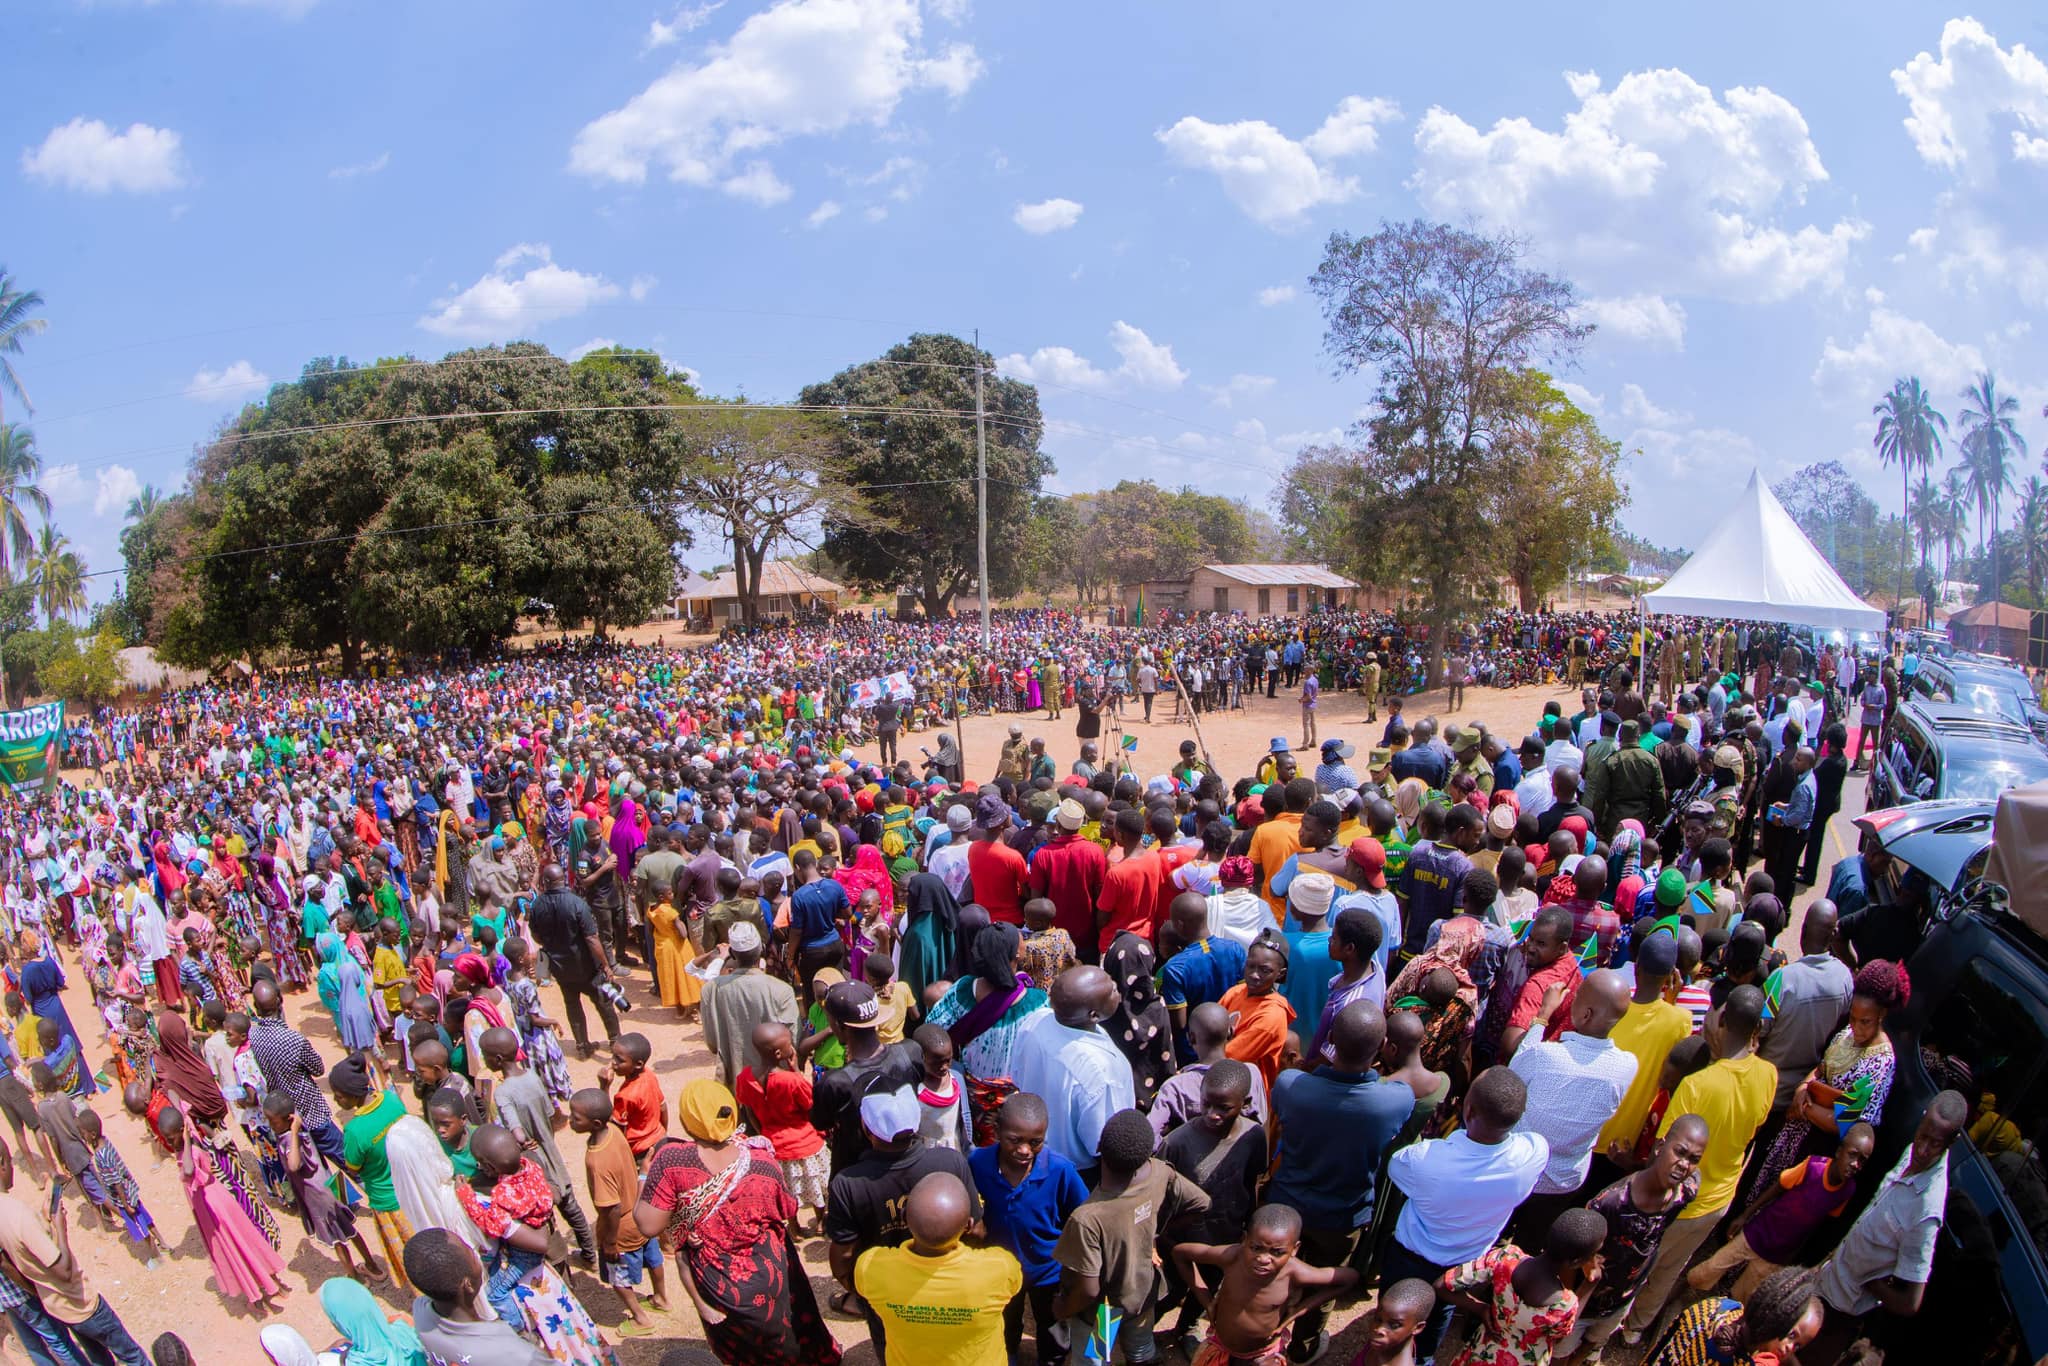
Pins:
x,y
1909,431
1991,446
16,326
2033,524
145,502
1925,513
1953,500
58,574
20,467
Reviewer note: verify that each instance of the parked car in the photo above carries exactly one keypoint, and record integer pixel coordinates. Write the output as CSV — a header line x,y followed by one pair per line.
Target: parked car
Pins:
x,y
1988,686
1949,749
1977,1023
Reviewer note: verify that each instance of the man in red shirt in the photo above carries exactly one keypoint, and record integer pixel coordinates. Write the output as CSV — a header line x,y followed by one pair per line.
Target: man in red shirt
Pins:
x,y
995,871
1173,856
1130,889
1069,871
1544,1006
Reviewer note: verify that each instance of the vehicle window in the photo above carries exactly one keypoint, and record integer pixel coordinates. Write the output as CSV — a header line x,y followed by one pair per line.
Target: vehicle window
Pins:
x,y
1935,688
1908,745
1985,1039
2016,768
1927,777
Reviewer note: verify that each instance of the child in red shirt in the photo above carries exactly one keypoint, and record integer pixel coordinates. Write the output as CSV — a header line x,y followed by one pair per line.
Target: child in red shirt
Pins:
x,y
638,1106
780,1099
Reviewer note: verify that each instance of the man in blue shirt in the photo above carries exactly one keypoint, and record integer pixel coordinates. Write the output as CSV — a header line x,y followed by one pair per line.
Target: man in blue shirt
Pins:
x,y
815,909
1330,1184
1507,768
1200,972
1027,1191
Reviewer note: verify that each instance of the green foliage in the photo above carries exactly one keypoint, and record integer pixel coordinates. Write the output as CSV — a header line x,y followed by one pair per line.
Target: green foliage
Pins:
x,y
621,570
90,673
907,446
1138,531
1843,522
26,655
1554,487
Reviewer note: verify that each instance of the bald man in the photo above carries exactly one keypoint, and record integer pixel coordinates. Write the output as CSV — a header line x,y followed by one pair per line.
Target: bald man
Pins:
x,y
1575,1085
939,1299
1066,1059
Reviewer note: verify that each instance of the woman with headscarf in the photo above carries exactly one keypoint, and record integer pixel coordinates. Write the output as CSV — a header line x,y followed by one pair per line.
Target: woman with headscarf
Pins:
x,y
1236,912
720,1201
240,1236
984,1014
626,837
925,939
373,1340
185,1074
867,872
42,987
344,991
1409,795
1140,1028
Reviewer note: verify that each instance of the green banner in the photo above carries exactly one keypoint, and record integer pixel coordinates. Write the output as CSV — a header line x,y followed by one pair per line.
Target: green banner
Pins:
x,y
30,742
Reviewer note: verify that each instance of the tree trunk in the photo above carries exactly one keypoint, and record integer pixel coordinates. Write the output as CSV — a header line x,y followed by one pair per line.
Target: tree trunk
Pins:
x,y
351,656
753,557
928,595
745,584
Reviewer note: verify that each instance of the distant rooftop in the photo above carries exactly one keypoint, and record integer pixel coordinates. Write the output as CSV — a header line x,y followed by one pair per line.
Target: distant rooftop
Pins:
x,y
1281,575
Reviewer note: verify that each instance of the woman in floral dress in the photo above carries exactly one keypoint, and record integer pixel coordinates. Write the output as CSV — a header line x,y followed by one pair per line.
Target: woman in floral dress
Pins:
x,y
276,908
720,1204
1852,1079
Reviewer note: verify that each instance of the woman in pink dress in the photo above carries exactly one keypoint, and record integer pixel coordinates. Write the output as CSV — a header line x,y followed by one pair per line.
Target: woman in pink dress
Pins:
x,y
240,1236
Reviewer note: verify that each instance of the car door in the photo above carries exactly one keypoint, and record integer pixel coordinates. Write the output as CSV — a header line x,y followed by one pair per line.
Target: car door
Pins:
x,y
1987,1302
1891,776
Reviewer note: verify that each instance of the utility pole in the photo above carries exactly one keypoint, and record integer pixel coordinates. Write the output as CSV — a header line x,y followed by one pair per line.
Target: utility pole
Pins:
x,y
981,489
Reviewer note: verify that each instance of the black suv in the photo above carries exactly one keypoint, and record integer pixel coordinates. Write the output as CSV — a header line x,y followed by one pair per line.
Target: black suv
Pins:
x,y
1986,686
1947,749
1977,1022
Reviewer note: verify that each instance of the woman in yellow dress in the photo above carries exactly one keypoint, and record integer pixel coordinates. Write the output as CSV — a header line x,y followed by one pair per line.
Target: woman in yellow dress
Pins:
x,y
673,953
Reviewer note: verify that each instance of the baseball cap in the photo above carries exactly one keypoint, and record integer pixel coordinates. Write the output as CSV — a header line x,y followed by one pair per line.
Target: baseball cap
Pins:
x,y
1371,858
743,937
853,1003
1070,814
888,1115
1671,889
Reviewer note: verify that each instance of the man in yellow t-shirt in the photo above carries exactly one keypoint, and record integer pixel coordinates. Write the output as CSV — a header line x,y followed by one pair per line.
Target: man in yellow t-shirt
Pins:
x,y
1654,1023
1733,1094
940,1304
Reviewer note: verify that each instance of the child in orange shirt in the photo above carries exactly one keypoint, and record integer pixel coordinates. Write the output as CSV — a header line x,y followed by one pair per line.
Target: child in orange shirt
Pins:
x,y
638,1106
1263,1014
780,1099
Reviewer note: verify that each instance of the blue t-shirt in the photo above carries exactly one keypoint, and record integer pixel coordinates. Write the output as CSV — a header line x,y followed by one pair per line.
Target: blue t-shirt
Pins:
x,y
815,909
1198,974
1309,969
1026,1219
1331,1184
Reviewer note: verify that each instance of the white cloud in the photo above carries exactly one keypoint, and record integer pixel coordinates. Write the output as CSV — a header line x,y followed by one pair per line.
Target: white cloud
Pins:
x,y
1145,363
1673,445
361,168
757,184
86,154
64,484
800,68
1048,215
594,344
1582,83
227,383
1636,407
1648,318
502,305
1656,180
1973,97
823,214
1272,296
289,9
641,287
113,487
1893,345
688,19
875,213
1241,387
1272,177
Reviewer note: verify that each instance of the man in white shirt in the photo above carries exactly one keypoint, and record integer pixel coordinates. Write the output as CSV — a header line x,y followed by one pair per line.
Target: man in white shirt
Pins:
x,y
1575,1085
949,861
1461,1190
1533,796
1065,1059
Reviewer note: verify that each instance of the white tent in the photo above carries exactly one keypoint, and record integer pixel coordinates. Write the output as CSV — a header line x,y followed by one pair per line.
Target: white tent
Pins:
x,y
1758,566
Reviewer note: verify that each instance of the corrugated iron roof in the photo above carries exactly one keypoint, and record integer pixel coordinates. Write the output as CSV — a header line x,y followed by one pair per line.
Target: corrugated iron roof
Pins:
x,y
778,578
1281,575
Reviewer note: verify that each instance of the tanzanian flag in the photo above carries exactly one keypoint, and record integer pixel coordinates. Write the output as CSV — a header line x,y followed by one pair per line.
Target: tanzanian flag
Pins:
x,y
1102,1334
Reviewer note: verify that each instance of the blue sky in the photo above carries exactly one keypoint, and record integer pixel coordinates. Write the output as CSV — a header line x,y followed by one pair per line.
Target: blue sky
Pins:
x,y
1771,210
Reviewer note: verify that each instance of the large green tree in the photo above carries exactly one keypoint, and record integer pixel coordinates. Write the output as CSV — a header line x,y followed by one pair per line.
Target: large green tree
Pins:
x,y
906,445
1555,488
1444,319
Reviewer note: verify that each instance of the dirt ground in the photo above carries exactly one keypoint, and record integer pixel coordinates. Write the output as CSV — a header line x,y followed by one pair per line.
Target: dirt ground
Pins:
x,y
180,1294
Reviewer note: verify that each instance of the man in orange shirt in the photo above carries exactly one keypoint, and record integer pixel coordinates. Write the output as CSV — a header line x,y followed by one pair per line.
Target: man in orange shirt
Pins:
x,y
998,874
1130,889
1278,837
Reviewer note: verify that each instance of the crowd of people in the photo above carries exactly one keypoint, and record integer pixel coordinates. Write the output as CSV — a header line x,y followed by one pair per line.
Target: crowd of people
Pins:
x,y
1490,1031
